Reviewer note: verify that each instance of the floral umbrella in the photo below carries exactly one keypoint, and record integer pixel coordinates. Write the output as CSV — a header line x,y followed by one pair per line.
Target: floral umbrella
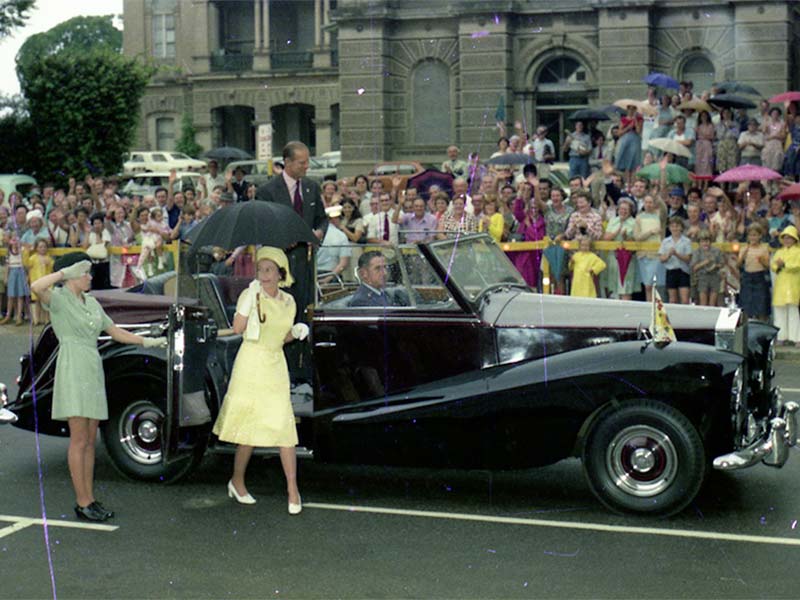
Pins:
x,y
747,173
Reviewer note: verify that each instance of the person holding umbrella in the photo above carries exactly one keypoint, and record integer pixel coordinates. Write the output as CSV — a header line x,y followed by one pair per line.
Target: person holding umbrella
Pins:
x,y
775,135
629,147
579,145
257,410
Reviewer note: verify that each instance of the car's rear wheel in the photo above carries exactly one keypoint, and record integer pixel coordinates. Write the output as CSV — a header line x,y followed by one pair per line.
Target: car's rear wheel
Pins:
x,y
132,435
644,457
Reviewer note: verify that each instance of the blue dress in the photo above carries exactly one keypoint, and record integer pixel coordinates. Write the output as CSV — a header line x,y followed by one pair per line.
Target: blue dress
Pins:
x,y
791,160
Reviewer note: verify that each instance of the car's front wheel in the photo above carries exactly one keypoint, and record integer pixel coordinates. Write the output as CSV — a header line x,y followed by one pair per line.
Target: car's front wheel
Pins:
x,y
133,434
644,457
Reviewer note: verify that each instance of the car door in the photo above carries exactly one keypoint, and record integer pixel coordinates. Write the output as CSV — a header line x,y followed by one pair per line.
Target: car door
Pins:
x,y
390,381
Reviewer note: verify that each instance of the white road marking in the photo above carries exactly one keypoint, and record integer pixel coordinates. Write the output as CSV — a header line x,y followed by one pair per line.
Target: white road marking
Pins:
x,y
790,390
20,523
681,533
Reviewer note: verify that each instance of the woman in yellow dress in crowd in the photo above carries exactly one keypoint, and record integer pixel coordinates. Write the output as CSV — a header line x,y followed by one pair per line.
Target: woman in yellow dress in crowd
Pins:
x,y
585,265
786,291
39,264
257,410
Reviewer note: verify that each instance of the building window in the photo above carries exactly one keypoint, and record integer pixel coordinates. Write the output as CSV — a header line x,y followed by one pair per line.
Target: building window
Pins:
x,y
700,71
431,103
165,133
164,36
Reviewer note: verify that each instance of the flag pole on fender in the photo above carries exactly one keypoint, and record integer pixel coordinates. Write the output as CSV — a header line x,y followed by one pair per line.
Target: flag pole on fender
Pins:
x,y
660,327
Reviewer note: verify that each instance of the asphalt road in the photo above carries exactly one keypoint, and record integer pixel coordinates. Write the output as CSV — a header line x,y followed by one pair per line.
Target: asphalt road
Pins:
x,y
454,534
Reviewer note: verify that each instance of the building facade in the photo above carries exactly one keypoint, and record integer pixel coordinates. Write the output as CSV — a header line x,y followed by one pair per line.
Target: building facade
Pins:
x,y
401,79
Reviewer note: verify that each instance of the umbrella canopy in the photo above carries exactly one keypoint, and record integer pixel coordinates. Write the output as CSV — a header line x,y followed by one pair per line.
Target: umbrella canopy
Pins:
x,y
731,101
253,222
790,193
642,106
511,158
747,173
695,104
671,146
612,109
589,114
422,182
731,87
227,154
661,80
675,173
785,97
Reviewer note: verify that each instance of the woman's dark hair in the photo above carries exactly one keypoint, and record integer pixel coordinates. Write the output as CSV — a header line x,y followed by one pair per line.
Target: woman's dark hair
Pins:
x,y
96,216
65,260
774,108
504,138
83,210
356,212
282,273
141,210
364,177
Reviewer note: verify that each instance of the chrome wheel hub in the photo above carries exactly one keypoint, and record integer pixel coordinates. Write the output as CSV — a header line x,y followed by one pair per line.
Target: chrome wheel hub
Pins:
x,y
140,432
642,461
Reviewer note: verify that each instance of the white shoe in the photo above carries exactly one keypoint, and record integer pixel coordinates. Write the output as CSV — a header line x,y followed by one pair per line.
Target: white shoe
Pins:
x,y
232,493
6,416
296,509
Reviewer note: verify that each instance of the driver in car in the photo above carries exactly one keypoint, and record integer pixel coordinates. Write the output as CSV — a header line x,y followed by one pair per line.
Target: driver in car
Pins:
x,y
372,290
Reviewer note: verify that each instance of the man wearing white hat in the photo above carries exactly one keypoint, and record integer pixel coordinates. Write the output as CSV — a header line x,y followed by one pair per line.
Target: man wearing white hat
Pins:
x,y
334,254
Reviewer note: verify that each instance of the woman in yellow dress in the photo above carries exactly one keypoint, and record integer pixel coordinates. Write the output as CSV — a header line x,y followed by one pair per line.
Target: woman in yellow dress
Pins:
x,y
786,291
585,266
39,264
257,410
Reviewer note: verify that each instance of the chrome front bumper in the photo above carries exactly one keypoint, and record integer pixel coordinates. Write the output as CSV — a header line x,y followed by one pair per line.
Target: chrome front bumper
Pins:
x,y
773,448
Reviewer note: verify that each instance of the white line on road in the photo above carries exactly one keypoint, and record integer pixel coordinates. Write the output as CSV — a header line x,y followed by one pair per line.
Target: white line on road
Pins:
x,y
681,533
790,390
22,522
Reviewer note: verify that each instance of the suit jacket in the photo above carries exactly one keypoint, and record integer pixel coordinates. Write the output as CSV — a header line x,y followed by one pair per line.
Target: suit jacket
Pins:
x,y
275,190
365,296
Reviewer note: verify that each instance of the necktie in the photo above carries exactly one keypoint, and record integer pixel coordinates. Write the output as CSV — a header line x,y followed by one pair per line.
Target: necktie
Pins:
x,y
386,226
298,200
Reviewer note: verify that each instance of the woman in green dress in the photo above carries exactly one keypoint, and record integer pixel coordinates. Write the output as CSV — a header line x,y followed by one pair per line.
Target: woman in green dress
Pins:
x,y
79,394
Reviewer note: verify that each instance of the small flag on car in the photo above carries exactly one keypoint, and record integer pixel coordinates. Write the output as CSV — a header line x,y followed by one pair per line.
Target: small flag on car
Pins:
x,y
660,327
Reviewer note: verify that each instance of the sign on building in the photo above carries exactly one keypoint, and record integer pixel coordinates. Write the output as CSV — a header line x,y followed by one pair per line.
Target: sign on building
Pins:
x,y
264,143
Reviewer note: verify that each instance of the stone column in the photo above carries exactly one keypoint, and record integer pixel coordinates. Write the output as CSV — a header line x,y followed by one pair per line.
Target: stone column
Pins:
x,y
326,20
261,57
257,25
317,23
322,54
322,118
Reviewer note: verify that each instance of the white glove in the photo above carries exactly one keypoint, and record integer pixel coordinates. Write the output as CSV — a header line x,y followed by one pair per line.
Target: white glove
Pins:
x,y
157,342
79,269
299,331
245,304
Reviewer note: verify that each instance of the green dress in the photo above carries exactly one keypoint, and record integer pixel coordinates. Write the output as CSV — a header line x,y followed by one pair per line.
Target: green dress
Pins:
x,y
80,389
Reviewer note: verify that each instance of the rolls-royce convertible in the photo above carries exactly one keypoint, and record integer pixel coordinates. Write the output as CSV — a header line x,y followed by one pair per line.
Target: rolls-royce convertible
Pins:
x,y
464,367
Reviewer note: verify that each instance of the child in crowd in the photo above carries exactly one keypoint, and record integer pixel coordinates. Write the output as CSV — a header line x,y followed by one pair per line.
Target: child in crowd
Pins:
x,y
706,265
754,261
39,264
184,224
16,281
786,293
676,253
585,266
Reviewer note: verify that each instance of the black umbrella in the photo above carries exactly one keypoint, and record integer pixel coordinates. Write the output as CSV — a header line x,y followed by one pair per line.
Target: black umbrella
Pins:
x,y
730,87
423,182
612,109
253,222
731,101
227,154
510,159
589,114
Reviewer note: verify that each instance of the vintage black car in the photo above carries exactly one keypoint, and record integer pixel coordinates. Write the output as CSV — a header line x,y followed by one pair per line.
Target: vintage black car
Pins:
x,y
468,368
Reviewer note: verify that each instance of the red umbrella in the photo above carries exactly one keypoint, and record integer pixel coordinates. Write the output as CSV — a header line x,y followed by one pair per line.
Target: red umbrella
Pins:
x,y
623,260
785,97
790,193
747,173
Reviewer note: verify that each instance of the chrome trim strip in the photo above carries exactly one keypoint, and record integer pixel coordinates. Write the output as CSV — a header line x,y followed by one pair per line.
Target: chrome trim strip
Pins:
x,y
404,318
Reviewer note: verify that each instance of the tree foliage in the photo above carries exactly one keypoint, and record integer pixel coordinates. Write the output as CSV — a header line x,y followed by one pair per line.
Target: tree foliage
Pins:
x,y
84,108
186,143
78,35
13,14
18,147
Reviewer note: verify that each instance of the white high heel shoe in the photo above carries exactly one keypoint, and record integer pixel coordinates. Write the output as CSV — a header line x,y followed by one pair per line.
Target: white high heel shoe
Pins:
x,y
232,493
296,509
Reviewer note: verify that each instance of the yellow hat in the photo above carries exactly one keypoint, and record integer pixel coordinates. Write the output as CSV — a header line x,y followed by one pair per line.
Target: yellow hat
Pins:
x,y
791,231
277,256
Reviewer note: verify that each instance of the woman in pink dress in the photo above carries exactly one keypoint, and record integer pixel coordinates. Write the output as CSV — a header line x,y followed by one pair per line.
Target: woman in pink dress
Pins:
x,y
531,227
704,145
774,135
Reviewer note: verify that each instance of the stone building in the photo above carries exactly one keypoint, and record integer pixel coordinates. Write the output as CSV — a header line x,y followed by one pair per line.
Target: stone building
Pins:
x,y
401,79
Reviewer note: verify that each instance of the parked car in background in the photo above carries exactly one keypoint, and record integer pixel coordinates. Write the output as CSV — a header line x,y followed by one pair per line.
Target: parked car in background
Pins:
x,y
16,182
319,171
255,171
330,159
464,367
140,161
147,183
386,171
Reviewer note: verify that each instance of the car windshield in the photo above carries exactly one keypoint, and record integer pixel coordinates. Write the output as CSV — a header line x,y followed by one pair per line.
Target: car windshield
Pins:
x,y
475,263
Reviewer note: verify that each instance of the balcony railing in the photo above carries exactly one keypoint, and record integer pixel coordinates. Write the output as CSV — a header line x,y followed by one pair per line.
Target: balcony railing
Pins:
x,y
291,60
232,62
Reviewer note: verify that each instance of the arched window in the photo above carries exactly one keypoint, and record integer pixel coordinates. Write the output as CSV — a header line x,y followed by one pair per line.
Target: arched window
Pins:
x,y
431,103
700,71
560,73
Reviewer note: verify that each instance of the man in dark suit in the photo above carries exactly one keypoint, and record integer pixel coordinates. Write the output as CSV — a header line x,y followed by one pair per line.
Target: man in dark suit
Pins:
x,y
372,291
292,188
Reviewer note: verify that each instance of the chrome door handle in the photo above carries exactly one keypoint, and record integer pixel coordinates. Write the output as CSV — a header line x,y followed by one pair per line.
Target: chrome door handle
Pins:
x,y
325,344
